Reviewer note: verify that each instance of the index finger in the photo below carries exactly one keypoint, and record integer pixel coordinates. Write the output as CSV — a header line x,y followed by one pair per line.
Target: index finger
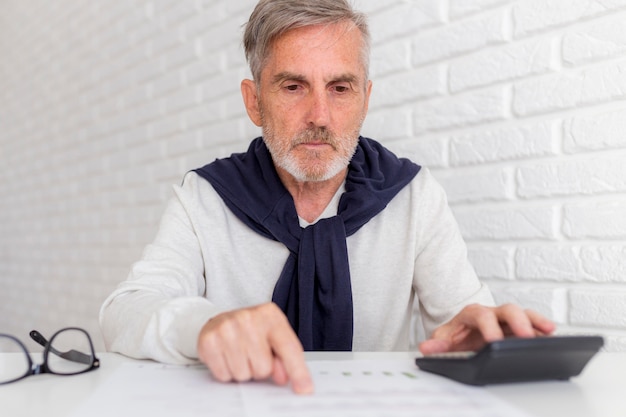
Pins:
x,y
517,320
541,324
483,319
289,352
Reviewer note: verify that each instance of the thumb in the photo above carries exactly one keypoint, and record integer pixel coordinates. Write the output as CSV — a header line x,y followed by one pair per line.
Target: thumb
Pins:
x,y
428,347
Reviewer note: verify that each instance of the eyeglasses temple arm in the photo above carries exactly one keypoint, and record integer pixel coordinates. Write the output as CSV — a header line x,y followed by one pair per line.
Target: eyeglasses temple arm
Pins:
x,y
71,355
38,337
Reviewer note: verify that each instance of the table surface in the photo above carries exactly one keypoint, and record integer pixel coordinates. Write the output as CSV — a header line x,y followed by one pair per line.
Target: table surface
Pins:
x,y
600,391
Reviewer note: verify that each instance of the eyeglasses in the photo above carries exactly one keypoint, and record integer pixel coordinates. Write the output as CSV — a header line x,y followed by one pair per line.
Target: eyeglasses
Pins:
x,y
71,348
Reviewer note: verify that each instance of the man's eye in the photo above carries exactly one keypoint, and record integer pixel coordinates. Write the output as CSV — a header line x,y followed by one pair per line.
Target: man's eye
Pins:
x,y
292,87
341,88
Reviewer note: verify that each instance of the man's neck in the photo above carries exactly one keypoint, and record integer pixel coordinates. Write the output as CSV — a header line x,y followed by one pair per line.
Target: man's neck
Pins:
x,y
311,197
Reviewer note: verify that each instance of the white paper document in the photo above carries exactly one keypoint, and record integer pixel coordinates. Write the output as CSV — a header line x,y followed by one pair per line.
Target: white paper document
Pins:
x,y
363,388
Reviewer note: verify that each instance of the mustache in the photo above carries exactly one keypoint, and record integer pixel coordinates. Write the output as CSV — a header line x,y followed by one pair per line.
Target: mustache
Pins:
x,y
315,135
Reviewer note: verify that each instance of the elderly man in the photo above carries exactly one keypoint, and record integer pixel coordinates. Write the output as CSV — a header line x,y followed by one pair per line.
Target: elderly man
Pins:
x,y
314,239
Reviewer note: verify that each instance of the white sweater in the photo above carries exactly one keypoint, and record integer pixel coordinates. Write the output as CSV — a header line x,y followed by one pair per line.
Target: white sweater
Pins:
x,y
204,261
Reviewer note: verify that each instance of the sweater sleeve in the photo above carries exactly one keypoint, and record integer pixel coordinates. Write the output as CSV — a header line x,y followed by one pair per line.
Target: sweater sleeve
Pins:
x,y
157,313
444,280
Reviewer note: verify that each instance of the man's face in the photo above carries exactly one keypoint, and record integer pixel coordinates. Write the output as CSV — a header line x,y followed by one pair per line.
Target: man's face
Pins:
x,y
312,100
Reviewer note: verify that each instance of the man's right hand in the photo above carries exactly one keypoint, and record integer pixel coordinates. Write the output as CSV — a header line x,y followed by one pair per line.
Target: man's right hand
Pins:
x,y
253,344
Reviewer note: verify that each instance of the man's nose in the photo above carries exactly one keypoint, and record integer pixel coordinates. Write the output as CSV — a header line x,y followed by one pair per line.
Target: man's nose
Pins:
x,y
319,109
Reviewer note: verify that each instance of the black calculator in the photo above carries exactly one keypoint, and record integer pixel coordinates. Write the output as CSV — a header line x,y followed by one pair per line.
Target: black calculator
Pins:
x,y
516,360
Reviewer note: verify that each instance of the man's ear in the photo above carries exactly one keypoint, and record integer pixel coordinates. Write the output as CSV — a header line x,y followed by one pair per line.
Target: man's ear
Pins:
x,y
251,101
368,93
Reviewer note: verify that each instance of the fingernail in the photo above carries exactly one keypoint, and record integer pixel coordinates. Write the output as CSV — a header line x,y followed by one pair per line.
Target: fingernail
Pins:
x,y
303,387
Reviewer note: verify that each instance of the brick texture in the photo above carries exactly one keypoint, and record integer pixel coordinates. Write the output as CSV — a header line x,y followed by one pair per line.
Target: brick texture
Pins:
x,y
517,106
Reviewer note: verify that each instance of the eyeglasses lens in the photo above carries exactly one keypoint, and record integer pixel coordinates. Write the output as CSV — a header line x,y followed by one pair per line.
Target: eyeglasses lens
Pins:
x,y
70,352
14,364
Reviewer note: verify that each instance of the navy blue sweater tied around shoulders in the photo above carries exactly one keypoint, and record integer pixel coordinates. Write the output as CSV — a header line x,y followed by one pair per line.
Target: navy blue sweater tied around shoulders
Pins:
x,y
314,289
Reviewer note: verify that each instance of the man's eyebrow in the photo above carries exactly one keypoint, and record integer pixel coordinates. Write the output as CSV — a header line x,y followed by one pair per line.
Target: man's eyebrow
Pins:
x,y
285,75
345,78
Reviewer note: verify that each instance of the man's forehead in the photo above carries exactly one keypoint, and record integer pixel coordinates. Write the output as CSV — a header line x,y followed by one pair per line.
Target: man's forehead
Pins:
x,y
288,51
315,36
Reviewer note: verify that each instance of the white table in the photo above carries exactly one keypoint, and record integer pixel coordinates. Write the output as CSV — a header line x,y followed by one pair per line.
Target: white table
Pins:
x,y
600,391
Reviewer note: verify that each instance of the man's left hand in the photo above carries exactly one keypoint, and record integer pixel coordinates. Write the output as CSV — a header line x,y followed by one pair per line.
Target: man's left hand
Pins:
x,y
477,325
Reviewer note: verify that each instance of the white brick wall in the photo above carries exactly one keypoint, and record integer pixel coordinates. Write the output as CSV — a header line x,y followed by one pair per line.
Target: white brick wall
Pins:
x,y
518,107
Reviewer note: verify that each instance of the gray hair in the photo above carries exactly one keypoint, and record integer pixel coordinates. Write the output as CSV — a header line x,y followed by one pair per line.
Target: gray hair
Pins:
x,y
272,18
